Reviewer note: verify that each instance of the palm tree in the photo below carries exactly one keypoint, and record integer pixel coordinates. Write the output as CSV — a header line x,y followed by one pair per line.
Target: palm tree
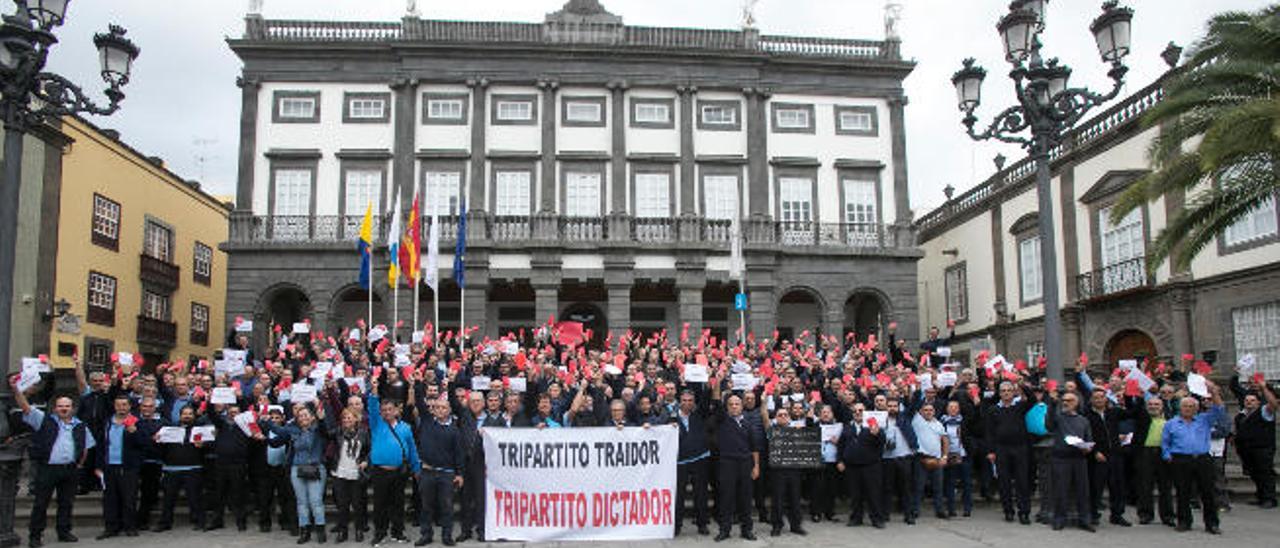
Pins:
x,y
1220,122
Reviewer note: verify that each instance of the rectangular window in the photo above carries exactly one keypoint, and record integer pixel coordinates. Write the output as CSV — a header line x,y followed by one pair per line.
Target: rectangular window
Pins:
x,y
583,111
582,194
1257,332
1122,241
441,193
98,353
157,242
721,196
653,195
860,216
957,289
512,193
297,108
155,306
1029,269
293,192
199,324
367,108
1034,351
102,299
515,111
653,113
445,109
793,118
1256,225
363,189
106,222
719,115
795,199
203,264
853,120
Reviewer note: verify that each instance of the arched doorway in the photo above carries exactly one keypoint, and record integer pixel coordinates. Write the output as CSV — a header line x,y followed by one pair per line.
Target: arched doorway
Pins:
x,y
512,302
864,314
282,305
591,318
799,310
1130,344
352,304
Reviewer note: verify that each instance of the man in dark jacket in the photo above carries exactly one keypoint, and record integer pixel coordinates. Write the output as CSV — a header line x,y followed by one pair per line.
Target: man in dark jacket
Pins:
x,y
152,468
59,446
1072,444
739,465
1256,438
1006,430
15,439
860,450
470,416
120,459
1107,463
232,449
443,468
693,459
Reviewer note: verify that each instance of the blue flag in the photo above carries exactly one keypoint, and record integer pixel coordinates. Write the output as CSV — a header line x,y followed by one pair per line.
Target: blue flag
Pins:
x,y
365,246
459,263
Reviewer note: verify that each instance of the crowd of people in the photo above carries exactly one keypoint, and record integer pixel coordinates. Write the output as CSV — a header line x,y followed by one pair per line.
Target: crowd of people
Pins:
x,y
307,419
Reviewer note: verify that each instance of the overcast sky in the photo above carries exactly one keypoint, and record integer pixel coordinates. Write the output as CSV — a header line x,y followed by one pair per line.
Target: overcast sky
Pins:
x,y
183,104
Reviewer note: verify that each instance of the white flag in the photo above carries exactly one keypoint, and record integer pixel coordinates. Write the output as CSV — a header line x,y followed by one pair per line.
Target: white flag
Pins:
x,y
431,274
736,266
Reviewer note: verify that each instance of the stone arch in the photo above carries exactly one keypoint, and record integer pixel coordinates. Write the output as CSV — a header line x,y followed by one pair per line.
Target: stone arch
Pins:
x,y
349,303
800,308
1130,343
866,310
591,317
282,303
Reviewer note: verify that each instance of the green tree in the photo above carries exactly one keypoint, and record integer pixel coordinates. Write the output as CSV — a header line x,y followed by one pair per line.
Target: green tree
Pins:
x,y
1220,121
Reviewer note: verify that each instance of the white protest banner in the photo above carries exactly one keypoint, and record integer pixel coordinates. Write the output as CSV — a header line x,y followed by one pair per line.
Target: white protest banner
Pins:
x,y
223,395
27,380
301,328
1126,365
947,378
743,381
321,370
231,354
204,434
356,382
944,351
246,423
519,384
171,434
417,337
124,358
1144,382
35,365
245,326
479,382
302,393
1244,366
1197,385
580,483
695,373
832,432
228,367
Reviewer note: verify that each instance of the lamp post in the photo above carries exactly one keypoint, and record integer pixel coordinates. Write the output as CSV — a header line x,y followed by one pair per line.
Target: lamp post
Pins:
x,y
29,98
1048,109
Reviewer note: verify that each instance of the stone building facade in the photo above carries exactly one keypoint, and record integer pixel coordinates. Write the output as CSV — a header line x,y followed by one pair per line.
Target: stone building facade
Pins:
x,y
600,165
981,264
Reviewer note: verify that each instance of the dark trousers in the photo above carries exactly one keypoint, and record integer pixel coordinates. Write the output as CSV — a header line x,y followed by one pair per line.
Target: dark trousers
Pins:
x,y
472,507
735,498
1012,466
900,483
825,486
1108,475
1259,465
230,488
149,477
1154,473
190,482
864,484
275,488
435,492
388,500
960,472
1193,475
785,487
1070,479
760,487
351,498
933,480
10,475
61,478
120,498
692,475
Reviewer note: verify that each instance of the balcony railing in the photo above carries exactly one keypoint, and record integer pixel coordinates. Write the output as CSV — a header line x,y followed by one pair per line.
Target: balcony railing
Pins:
x,y
157,332
511,229
1121,277
158,273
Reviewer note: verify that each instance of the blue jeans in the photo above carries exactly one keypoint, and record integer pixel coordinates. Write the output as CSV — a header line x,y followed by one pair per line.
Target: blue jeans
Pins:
x,y
934,479
960,472
310,497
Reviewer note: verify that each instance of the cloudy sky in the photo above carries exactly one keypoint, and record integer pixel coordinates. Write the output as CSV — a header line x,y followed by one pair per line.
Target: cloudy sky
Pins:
x,y
184,107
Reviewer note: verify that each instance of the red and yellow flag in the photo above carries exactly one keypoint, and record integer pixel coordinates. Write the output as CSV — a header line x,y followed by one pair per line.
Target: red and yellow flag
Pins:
x,y
411,243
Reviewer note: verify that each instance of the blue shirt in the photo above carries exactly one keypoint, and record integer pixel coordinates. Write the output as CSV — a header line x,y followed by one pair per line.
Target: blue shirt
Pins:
x,y
390,446
1189,438
64,446
115,443
275,455
175,413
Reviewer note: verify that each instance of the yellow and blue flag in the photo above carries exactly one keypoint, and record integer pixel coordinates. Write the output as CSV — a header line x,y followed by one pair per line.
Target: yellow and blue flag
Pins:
x,y
365,246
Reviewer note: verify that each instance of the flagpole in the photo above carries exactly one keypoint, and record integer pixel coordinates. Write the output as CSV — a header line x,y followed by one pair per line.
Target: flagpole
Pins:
x,y
416,285
395,311
369,288
435,317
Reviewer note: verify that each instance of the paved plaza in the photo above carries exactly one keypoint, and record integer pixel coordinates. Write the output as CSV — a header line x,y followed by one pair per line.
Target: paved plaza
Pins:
x,y
1244,526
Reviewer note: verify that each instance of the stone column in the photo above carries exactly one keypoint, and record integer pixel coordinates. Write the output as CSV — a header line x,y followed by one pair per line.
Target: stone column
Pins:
x,y
762,310
1072,344
903,233
619,308
249,88
757,151
833,321
1181,300
479,144
688,173
690,304
549,119
546,301
618,127
406,124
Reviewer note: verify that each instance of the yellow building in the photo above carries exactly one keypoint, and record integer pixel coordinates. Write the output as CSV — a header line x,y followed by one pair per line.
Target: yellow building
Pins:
x,y
137,256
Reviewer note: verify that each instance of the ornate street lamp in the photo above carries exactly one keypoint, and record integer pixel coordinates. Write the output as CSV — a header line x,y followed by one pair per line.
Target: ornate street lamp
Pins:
x,y
29,98
1046,108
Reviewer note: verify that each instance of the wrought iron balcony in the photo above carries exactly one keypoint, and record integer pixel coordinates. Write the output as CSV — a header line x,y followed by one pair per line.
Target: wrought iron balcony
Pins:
x,y
1122,277
157,332
158,273
484,229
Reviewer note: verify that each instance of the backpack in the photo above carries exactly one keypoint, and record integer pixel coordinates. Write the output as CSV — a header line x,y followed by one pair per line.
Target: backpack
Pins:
x,y
1035,419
